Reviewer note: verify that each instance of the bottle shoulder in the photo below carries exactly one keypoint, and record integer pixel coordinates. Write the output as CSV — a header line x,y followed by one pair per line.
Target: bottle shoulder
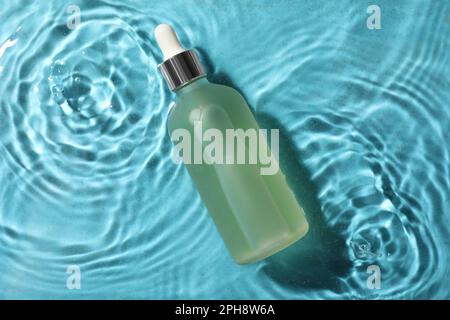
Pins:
x,y
209,101
211,94
208,92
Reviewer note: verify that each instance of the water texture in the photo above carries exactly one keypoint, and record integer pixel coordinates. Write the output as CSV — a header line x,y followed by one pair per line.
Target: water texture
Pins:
x,y
86,176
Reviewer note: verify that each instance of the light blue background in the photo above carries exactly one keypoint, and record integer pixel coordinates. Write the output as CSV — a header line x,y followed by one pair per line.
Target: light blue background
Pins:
x,y
86,177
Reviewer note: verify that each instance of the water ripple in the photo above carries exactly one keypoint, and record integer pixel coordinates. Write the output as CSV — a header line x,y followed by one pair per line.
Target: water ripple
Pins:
x,y
86,177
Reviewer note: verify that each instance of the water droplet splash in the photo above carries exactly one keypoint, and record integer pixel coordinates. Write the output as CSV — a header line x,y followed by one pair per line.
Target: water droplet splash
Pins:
x,y
362,248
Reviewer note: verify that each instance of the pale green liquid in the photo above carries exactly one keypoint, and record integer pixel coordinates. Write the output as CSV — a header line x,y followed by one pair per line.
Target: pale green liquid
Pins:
x,y
256,215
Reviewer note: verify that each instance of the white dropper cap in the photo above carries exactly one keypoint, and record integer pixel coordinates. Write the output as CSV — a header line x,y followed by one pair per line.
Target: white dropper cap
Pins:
x,y
168,41
180,66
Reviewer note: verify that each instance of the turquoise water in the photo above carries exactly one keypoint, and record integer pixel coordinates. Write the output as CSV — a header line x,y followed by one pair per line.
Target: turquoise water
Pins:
x,y
86,176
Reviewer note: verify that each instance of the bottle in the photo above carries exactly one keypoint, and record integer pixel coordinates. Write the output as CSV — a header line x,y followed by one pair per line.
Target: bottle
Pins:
x,y
255,213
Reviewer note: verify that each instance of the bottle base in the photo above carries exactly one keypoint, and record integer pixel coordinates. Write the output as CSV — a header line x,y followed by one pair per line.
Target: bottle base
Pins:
x,y
274,248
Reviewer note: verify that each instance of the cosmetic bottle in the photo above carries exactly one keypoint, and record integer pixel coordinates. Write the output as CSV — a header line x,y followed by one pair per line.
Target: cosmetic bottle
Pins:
x,y
249,201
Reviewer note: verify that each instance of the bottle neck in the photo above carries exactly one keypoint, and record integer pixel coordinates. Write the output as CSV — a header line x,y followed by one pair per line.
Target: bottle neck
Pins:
x,y
192,85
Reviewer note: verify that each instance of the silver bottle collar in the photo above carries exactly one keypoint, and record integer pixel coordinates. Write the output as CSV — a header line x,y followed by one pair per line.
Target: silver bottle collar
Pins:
x,y
181,69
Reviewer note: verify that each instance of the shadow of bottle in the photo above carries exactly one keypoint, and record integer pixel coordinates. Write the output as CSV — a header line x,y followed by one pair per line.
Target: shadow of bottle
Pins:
x,y
317,260
321,257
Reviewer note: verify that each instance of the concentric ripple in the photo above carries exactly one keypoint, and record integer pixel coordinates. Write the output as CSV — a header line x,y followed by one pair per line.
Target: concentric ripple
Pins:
x,y
86,177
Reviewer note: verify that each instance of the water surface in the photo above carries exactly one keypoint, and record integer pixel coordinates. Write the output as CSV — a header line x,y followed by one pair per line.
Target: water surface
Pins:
x,y
86,176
